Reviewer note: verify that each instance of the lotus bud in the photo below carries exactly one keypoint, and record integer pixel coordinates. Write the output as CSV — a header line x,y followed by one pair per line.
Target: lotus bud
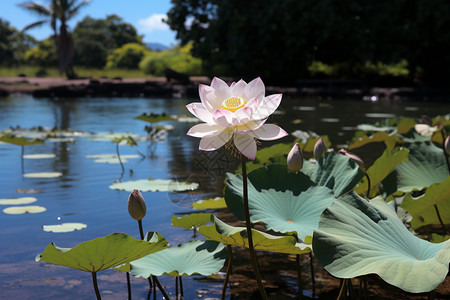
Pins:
x,y
319,148
295,159
353,157
447,145
136,205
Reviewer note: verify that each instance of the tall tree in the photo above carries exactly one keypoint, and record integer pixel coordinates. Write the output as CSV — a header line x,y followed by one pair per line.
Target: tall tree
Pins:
x,y
58,13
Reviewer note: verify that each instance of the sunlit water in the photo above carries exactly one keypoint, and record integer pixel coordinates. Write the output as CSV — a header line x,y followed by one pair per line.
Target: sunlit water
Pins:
x,y
82,193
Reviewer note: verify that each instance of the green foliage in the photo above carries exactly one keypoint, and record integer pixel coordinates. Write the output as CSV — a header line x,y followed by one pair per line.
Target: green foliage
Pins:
x,y
279,40
154,118
95,38
357,237
13,44
128,56
19,141
43,55
178,59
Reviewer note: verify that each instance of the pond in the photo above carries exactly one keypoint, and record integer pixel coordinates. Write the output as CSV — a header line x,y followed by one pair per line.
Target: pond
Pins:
x,y
82,193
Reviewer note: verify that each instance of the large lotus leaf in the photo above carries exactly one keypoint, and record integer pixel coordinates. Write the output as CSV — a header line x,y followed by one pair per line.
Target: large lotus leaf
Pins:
x,y
191,221
426,166
405,125
19,141
272,177
307,140
214,203
357,237
388,138
423,208
266,156
154,185
195,257
154,118
101,253
237,236
335,171
381,168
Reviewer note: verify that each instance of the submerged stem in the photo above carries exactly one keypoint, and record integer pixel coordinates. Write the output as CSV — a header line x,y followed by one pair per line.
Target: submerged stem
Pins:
x,y
227,276
156,281
129,285
94,281
249,230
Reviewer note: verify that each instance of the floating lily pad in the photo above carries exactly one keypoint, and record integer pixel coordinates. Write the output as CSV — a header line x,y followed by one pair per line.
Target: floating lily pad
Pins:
x,y
19,210
329,120
195,257
111,158
19,141
154,185
18,201
379,115
381,136
64,227
357,237
43,175
101,253
39,156
154,118
214,203
28,191
237,236
192,221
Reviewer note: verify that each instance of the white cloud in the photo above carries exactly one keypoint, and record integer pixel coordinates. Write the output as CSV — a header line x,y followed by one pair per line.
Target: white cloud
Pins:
x,y
153,23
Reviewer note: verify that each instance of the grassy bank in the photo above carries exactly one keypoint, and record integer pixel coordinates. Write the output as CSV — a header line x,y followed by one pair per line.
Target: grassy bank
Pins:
x,y
31,71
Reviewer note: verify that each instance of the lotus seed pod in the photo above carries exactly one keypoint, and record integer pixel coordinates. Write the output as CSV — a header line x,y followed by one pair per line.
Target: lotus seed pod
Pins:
x,y
136,205
447,145
353,157
319,148
295,159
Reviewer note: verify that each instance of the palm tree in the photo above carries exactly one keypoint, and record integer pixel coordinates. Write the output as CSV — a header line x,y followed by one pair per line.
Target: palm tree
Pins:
x,y
57,14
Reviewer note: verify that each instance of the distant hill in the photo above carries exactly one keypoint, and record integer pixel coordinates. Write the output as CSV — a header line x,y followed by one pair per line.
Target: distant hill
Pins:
x,y
157,46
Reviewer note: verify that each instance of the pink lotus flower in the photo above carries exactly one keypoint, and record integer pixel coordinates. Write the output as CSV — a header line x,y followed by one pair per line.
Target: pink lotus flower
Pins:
x,y
237,112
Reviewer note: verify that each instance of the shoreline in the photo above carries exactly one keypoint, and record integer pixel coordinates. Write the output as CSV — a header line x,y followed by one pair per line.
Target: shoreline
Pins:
x,y
160,87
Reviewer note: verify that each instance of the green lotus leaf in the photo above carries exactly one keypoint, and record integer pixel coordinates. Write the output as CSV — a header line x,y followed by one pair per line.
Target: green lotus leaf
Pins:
x,y
307,140
154,118
237,236
214,203
17,201
436,238
425,166
381,168
192,221
195,257
335,171
64,227
357,237
19,141
423,208
39,156
19,210
128,140
275,177
154,185
266,156
43,175
381,136
405,125
101,253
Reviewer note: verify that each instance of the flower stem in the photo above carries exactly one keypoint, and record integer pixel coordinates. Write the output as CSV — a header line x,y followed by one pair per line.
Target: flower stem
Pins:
x,y
141,230
249,230
129,285
94,281
444,134
440,219
120,160
230,259
368,185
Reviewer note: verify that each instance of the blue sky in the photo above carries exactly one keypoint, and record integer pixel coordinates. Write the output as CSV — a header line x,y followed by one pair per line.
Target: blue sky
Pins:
x,y
144,15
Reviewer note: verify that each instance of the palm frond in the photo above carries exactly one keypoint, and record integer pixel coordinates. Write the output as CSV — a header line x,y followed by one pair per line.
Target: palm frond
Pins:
x,y
73,11
37,8
34,24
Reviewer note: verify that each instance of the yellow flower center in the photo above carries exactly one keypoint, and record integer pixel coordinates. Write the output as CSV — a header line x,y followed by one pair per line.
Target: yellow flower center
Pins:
x,y
233,103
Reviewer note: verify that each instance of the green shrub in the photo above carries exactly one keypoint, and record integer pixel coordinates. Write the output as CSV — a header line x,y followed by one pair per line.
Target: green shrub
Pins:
x,y
44,55
128,56
178,59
